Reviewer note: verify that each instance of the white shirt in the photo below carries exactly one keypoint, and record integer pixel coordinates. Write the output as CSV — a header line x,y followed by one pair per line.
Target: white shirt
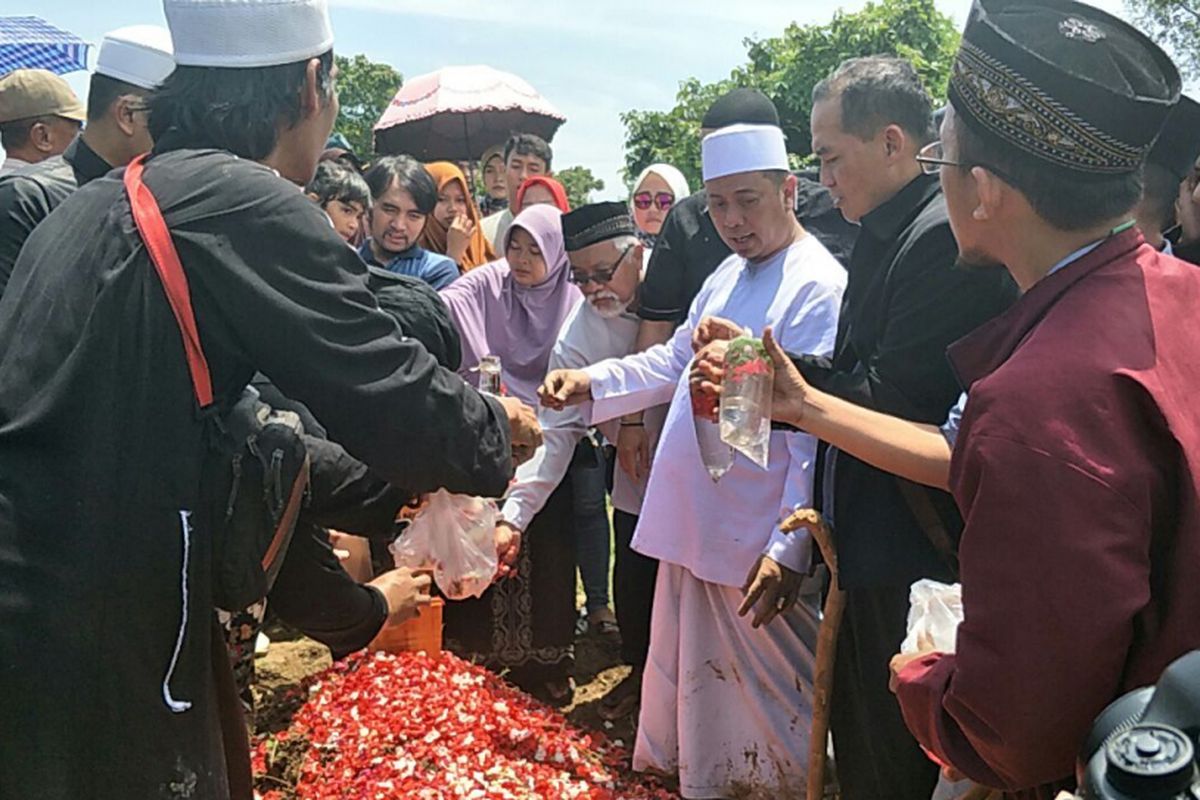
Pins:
x,y
717,531
12,165
585,338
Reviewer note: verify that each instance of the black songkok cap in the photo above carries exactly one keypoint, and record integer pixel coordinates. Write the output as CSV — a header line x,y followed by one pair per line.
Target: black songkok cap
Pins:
x,y
741,107
1064,82
1178,142
596,222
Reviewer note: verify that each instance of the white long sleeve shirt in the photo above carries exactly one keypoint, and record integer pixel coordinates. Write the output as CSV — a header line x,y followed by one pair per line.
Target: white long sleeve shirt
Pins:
x,y
718,530
585,339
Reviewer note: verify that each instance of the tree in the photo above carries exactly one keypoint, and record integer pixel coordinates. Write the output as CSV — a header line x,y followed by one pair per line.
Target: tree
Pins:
x,y
365,88
786,68
579,183
1175,23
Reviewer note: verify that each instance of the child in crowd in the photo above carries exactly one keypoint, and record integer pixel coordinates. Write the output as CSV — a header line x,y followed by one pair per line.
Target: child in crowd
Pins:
x,y
343,195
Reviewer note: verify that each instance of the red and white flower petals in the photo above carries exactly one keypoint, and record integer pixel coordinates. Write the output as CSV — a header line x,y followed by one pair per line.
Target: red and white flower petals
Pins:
x,y
386,726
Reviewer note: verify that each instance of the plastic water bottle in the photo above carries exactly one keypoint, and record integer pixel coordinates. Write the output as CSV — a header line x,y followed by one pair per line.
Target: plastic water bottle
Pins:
x,y
489,375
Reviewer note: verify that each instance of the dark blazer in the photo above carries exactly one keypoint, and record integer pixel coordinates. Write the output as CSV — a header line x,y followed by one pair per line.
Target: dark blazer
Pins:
x,y
906,301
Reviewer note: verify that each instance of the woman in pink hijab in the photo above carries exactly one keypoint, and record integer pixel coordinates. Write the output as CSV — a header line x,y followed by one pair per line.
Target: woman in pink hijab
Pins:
x,y
513,309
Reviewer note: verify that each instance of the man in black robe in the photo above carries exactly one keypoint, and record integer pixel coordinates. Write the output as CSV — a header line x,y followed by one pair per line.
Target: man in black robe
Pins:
x,y
106,617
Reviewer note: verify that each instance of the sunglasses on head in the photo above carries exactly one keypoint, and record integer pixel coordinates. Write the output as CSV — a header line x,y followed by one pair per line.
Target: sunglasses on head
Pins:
x,y
643,200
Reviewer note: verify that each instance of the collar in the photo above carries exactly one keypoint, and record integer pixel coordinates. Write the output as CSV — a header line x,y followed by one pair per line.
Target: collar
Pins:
x,y
368,255
981,352
86,162
885,221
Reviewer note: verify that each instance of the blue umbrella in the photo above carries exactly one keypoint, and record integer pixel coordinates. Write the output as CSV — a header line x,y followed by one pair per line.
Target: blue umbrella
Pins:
x,y
33,43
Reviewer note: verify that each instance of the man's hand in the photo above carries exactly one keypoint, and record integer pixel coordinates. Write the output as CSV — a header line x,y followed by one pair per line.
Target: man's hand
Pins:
x,y
633,451
770,586
526,433
705,377
405,591
902,660
790,389
565,387
458,237
713,329
508,547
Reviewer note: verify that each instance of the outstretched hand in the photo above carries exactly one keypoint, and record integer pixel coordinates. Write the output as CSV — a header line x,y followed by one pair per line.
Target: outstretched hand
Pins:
x,y
790,389
565,387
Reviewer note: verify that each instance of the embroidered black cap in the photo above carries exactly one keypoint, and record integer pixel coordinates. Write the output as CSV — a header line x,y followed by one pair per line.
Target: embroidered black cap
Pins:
x,y
596,222
1064,82
1178,143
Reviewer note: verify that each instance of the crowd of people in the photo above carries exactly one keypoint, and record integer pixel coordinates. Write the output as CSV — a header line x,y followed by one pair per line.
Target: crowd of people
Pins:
x,y
980,319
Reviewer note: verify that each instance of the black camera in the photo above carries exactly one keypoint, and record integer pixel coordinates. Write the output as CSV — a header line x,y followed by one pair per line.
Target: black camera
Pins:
x,y
1143,746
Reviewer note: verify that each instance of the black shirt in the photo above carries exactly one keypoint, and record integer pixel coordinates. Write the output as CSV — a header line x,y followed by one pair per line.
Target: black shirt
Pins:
x,y
28,195
689,249
906,301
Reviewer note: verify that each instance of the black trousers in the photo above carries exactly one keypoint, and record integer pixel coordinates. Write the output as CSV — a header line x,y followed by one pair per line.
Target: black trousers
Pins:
x,y
633,589
876,755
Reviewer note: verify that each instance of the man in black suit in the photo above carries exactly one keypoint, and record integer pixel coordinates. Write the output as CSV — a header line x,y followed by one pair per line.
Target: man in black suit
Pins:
x,y
905,302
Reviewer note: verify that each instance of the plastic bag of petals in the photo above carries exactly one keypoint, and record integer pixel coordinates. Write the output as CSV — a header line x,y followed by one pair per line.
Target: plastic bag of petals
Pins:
x,y
411,726
455,536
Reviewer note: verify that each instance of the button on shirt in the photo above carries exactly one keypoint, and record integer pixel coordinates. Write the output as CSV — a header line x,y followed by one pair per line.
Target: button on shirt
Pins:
x,y
437,270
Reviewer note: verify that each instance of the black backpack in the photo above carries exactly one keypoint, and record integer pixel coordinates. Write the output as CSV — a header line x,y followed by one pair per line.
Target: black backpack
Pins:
x,y
256,472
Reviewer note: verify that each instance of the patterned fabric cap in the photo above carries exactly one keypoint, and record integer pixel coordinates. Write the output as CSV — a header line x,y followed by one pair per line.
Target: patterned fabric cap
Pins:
x,y
1064,82
596,222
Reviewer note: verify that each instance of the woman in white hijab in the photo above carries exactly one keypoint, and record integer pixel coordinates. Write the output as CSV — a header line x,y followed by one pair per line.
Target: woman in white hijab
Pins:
x,y
659,187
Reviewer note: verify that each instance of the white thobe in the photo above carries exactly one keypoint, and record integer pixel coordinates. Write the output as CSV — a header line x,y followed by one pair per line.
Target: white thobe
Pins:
x,y
717,531
585,338
724,705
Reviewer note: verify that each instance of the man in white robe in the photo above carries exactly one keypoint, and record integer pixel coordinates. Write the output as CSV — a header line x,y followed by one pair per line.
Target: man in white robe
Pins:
x,y
726,699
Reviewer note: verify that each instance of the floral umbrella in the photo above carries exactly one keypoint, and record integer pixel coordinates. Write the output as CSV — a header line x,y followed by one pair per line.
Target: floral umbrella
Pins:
x,y
456,113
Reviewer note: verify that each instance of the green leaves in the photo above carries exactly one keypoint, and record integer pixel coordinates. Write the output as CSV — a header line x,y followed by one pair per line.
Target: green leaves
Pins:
x,y
365,88
1174,24
786,68
579,183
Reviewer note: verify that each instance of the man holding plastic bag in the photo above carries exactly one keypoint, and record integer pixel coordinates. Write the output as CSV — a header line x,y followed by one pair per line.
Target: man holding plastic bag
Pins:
x,y
720,550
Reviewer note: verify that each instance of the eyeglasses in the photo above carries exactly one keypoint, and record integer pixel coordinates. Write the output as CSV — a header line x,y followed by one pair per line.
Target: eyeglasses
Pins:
x,y
932,157
643,200
601,276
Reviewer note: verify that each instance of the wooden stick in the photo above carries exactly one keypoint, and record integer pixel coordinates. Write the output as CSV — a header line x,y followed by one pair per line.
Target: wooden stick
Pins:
x,y
831,621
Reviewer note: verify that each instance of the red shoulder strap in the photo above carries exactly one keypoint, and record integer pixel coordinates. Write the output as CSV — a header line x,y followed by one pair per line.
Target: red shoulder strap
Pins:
x,y
153,229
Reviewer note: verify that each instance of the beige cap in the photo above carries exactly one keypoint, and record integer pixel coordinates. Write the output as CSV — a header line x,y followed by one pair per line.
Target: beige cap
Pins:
x,y
26,93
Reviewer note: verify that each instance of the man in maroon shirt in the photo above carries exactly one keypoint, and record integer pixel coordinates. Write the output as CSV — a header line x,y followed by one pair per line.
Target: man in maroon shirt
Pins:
x,y
1076,463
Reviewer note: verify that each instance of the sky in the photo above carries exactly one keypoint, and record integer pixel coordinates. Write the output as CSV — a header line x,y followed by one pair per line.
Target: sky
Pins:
x,y
592,60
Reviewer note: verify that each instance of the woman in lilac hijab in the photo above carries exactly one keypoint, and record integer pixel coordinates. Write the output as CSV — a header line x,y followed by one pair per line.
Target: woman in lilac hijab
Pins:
x,y
513,308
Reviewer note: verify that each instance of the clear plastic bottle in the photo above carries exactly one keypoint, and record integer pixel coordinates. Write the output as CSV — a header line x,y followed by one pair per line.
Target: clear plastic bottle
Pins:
x,y
745,410
489,375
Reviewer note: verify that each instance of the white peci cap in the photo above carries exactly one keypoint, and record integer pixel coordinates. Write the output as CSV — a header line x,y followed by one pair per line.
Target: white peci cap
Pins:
x,y
139,55
743,148
248,33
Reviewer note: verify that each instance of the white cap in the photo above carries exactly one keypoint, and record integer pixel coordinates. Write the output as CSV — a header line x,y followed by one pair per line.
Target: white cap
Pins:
x,y
743,148
248,33
139,55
